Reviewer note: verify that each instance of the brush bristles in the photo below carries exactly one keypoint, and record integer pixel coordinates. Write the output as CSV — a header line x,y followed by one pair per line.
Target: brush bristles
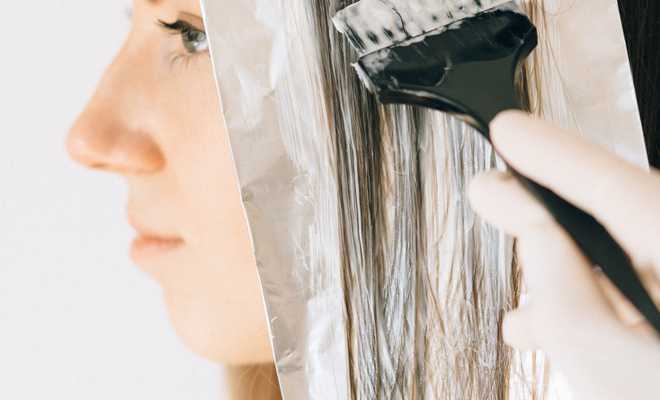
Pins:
x,y
371,25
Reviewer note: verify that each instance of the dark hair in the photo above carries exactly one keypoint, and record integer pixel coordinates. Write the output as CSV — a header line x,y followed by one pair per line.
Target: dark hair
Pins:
x,y
641,24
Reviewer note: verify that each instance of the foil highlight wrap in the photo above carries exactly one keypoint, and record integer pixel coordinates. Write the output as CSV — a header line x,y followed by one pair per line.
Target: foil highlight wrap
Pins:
x,y
595,75
263,71
268,78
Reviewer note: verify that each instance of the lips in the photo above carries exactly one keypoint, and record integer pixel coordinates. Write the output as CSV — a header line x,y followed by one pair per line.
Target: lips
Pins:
x,y
147,247
150,243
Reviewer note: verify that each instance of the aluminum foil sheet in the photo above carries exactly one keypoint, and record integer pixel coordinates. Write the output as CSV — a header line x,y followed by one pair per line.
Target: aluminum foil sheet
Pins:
x,y
269,84
592,77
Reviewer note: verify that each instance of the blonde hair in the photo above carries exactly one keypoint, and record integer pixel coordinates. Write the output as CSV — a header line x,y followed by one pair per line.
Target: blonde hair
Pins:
x,y
426,282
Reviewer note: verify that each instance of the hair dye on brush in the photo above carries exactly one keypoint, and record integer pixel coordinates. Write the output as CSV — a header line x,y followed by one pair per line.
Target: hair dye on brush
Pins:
x,y
452,69
371,25
468,68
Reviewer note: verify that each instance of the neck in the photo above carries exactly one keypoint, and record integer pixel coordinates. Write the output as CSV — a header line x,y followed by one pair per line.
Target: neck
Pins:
x,y
254,382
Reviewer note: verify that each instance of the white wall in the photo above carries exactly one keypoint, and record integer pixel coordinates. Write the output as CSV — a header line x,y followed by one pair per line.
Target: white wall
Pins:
x,y
77,320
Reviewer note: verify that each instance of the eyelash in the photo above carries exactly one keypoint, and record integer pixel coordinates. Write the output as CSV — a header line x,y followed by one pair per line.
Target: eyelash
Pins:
x,y
188,34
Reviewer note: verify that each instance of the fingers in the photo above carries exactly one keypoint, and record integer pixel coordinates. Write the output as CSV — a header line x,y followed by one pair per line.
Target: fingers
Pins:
x,y
516,329
503,202
567,314
561,283
620,195
565,300
627,313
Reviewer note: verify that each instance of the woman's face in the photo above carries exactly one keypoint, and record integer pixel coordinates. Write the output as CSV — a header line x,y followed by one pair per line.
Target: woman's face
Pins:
x,y
155,120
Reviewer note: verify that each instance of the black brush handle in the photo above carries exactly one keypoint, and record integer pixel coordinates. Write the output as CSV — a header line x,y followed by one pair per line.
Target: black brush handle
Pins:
x,y
598,246
470,71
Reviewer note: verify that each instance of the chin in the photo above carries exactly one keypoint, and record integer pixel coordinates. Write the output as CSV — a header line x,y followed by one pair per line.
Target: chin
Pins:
x,y
203,330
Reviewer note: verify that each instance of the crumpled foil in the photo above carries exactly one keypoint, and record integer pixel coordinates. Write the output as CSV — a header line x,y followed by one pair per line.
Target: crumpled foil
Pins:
x,y
268,81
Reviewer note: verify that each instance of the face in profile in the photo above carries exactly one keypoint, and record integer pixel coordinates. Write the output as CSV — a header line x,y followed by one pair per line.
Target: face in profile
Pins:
x,y
155,120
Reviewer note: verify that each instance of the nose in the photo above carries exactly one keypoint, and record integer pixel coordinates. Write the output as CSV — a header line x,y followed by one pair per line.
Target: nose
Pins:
x,y
109,134
100,144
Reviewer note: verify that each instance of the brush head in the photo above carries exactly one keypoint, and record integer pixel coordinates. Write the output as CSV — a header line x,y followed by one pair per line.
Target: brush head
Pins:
x,y
467,68
371,25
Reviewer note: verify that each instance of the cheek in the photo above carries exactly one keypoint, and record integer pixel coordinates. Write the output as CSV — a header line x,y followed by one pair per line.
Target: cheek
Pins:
x,y
219,313
212,209
216,307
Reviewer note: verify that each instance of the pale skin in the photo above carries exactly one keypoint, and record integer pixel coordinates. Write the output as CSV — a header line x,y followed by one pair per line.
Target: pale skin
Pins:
x,y
587,329
155,120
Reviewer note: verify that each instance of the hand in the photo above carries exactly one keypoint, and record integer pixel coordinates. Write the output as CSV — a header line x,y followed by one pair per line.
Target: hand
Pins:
x,y
572,314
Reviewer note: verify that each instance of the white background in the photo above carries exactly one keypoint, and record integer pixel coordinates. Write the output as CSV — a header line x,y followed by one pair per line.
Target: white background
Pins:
x,y
77,320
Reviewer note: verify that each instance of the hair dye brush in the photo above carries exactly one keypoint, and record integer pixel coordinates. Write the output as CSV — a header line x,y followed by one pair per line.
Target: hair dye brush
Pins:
x,y
462,57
